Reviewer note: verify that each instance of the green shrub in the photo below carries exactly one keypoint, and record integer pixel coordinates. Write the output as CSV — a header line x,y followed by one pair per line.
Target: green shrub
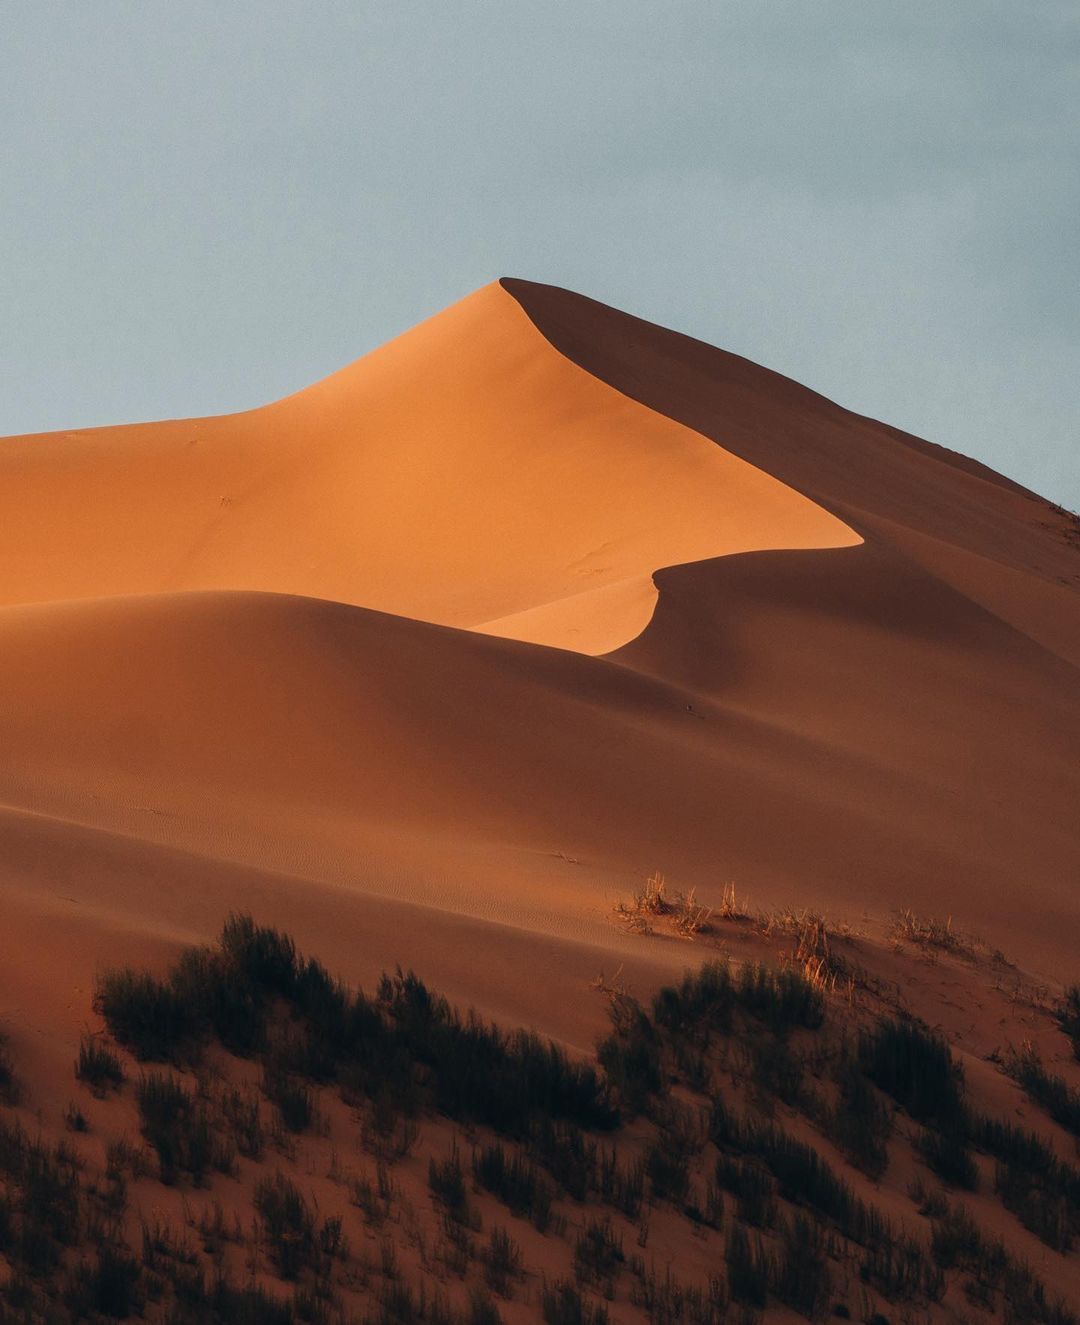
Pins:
x,y
752,1187
562,1303
180,1130
516,1182
630,1057
783,999
801,1276
947,1154
861,1124
700,1005
98,1066
1060,1100
916,1068
598,1254
502,1262
1069,1016
446,1178
8,1090
747,1268
292,1096
145,1015
288,1225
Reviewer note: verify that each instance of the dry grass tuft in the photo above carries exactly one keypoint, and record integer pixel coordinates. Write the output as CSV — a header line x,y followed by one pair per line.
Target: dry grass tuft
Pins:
x,y
929,932
729,908
688,918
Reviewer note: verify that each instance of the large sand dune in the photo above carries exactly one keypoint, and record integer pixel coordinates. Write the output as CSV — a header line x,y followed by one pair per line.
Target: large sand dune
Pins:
x,y
262,651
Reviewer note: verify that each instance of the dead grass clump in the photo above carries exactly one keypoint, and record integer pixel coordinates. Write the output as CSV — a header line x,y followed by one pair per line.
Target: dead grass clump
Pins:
x,y
930,932
687,916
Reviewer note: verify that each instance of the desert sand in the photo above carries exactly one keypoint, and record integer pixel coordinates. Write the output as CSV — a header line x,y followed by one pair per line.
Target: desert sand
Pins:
x,y
433,662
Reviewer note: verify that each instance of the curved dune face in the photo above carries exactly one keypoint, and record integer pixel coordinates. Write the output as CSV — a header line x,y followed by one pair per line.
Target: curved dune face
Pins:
x,y
248,661
465,474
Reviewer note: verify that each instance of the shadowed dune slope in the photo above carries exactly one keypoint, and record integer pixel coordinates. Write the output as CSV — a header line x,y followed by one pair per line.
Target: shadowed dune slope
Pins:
x,y
1001,545
465,473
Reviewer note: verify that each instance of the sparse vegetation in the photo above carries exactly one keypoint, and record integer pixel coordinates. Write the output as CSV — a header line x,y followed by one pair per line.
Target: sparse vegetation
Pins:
x,y
98,1066
1060,1100
915,1067
517,1183
930,932
1069,1017
563,1303
708,1062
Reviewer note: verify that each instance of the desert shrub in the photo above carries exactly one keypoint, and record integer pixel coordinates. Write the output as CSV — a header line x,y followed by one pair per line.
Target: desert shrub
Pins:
x,y
630,1057
240,1110
957,1242
567,1153
1038,1206
446,1178
1033,1183
861,1123
747,1268
801,1275
292,1096
666,1301
1069,1016
752,1187
598,1254
1060,1100
502,1262
622,1186
899,1270
288,1225
74,1118
144,1014
106,1286
8,1090
39,1202
98,1066
562,1303
777,1071
916,1068
482,1309
805,1178
180,1130
725,1130
484,1075
668,1170
783,999
516,1182
946,1153
701,1004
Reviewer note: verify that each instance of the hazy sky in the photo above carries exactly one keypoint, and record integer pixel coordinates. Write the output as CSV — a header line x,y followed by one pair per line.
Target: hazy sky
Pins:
x,y
204,206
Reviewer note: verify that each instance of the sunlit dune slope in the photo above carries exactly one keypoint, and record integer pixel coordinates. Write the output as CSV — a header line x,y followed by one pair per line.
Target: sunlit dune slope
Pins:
x,y
528,786
466,473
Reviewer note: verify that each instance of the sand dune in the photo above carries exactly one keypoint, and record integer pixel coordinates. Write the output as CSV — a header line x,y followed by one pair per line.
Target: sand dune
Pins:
x,y
432,663
464,473
266,641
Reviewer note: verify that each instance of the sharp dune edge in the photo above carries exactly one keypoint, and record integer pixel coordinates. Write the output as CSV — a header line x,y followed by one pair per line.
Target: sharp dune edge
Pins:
x,y
432,662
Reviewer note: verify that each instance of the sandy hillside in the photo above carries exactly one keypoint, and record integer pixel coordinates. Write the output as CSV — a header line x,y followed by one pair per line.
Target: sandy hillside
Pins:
x,y
433,662
259,640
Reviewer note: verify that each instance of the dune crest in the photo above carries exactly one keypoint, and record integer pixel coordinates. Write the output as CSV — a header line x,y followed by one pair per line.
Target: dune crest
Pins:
x,y
465,474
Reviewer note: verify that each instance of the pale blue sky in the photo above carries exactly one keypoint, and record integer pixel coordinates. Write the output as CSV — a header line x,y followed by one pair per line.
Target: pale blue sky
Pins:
x,y
204,206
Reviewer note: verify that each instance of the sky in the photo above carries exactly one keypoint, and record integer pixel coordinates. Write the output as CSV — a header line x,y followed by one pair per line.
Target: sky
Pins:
x,y
206,206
